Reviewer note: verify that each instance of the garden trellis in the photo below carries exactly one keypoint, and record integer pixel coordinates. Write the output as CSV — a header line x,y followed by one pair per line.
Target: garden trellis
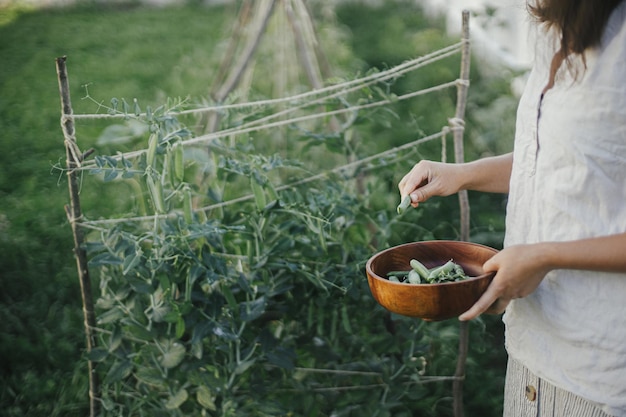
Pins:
x,y
171,330
311,98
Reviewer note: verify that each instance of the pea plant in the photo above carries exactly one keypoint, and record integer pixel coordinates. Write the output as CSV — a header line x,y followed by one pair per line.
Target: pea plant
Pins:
x,y
254,308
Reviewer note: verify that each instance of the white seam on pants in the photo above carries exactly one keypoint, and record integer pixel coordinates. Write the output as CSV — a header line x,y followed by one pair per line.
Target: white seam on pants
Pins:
x,y
526,395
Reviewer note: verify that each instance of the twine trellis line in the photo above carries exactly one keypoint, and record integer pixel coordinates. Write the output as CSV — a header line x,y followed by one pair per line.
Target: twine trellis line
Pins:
x,y
252,127
332,91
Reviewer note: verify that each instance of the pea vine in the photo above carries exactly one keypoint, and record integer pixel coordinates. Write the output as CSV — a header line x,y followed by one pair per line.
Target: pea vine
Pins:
x,y
237,310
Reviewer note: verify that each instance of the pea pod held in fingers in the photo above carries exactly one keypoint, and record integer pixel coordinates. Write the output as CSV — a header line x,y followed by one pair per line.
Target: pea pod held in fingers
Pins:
x,y
404,204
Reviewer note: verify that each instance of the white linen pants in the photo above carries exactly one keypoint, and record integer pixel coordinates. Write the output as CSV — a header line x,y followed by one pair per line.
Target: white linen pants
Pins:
x,y
526,395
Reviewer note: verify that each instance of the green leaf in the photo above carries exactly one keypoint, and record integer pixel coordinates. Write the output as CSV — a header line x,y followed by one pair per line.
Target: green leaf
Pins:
x,y
118,371
100,161
197,349
172,316
140,332
206,398
105,259
107,403
225,334
126,163
173,356
97,354
152,377
281,357
111,161
110,174
159,313
228,294
131,261
110,316
116,339
177,399
120,134
244,366
252,309
140,286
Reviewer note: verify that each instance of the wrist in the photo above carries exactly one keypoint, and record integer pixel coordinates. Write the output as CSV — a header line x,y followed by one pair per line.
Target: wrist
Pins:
x,y
469,175
491,174
549,255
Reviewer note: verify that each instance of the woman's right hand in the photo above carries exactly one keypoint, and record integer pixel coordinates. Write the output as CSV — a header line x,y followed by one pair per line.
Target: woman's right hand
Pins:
x,y
428,178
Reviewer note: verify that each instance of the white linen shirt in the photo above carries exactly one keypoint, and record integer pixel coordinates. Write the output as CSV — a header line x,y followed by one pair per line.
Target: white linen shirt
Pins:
x,y
569,182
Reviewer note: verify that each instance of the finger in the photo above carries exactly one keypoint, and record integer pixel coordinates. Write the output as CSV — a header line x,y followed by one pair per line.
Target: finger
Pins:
x,y
488,298
498,307
417,177
422,193
491,265
409,187
402,185
416,198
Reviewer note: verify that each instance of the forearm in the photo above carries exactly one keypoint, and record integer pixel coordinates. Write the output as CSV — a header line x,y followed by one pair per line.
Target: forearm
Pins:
x,y
606,254
490,174
428,178
521,268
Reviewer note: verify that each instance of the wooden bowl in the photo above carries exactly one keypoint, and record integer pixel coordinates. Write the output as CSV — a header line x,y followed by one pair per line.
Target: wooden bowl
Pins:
x,y
430,302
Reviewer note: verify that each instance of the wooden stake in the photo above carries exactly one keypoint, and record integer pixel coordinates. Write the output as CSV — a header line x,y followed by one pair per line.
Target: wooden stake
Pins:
x,y
74,214
244,60
459,157
462,87
305,51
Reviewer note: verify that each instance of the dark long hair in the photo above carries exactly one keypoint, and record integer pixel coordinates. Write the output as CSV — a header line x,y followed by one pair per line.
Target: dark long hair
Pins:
x,y
579,22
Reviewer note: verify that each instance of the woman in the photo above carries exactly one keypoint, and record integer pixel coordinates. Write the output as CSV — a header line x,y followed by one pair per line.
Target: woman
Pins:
x,y
562,273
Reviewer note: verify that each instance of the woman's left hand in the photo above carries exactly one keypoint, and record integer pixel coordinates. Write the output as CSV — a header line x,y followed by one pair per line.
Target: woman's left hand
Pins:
x,y
519,271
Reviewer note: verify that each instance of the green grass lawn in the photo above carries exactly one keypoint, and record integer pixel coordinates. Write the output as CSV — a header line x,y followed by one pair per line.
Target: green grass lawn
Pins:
x,y
125,52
